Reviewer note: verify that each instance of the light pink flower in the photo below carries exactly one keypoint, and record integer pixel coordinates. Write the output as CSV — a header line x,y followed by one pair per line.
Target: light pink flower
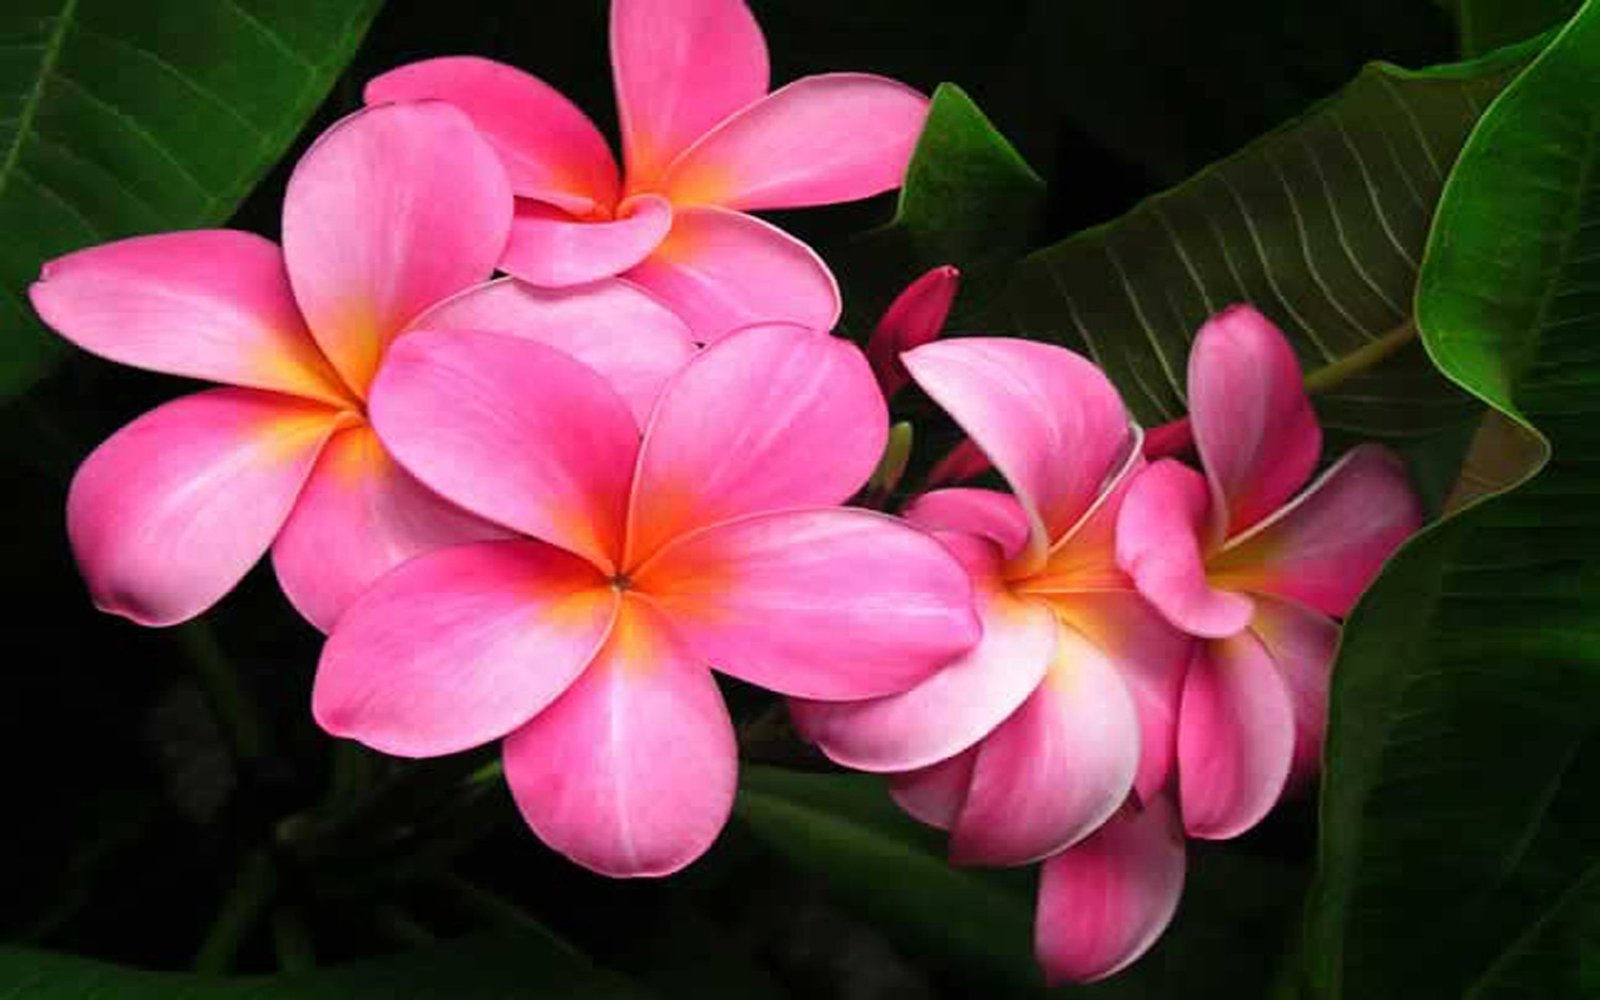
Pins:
x,y
1238,558
1036,736
586,641
391,211
703,143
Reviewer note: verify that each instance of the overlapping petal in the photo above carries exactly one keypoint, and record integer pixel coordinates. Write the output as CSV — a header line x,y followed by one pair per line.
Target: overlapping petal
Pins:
x,y
934,794
987,514
819,140
393,209
461,646
764,420
514,431
359,516
829,604
1105,901
550,247
172,510
723,270
632,771
208,304
551,151
1302,643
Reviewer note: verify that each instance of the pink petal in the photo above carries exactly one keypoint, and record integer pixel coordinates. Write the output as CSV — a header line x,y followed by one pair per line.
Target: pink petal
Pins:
x,y
1151,656
514,431
209,304
762,421
359,516
681,66
1105,901
1324,549
393,209
1303,644
612,326
965,461
914,318
1053,425
1085,557
721,270
552,248
951,710
173,509
934,794
1236,737
1055,770
988,514
1159,533
831,604
1253,424
632,771
461,646
819,140
551,151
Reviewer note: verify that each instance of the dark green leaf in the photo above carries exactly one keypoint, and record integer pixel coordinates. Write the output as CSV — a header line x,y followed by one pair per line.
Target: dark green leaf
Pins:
x,y
1485,25
120,118
1460,850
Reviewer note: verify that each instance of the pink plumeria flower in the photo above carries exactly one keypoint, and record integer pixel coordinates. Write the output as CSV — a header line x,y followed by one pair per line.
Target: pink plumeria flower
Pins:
x,y
703,143
915,317
1237,558
391,211
585,641
1034,738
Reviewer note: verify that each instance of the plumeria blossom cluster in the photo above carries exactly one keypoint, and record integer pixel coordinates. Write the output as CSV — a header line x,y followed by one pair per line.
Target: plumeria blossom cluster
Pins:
x,y
539,509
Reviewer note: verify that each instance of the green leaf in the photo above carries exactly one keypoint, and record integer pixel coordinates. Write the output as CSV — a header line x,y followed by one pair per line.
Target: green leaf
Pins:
x,y
121,118
1485,25
483,967
1460,851
1320,224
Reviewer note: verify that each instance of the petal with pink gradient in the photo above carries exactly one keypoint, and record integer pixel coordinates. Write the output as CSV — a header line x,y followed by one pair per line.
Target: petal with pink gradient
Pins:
x,y
953,709
1057,768
169,512
764,420
1236,737
513,431
988,514
1302,643
1105,901
1253,424
1085,557
1159,532
1327,546
934,794
1151,656
829,604
721,270
612,326
1050,421
358,517
632,771
550,247
915,317
817,141
209,304
393,209
551,151
681,66
461,646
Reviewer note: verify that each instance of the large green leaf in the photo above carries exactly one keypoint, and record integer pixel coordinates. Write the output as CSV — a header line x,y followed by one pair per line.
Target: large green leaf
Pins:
x,y
484,967
1485,25
1321,224
1460,850
119,118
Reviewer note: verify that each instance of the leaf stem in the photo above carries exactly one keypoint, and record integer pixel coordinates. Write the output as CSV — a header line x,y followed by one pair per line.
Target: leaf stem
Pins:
x,y
240,910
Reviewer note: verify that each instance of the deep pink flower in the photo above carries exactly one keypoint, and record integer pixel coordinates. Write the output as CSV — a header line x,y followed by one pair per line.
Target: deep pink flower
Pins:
x,y
703,143
1039,733
1237,558
391,211
586,641
915,317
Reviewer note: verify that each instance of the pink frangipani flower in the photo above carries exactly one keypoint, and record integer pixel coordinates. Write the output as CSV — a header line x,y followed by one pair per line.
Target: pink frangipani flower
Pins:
x,y
636,564
392,210
703,144
1237,558
1030,741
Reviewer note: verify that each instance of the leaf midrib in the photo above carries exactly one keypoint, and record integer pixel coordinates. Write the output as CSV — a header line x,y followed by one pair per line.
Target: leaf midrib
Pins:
x,y
30,105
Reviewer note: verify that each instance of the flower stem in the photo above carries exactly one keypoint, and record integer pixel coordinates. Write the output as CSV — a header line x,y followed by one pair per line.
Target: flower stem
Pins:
x,y
240,910
216,674
292,940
